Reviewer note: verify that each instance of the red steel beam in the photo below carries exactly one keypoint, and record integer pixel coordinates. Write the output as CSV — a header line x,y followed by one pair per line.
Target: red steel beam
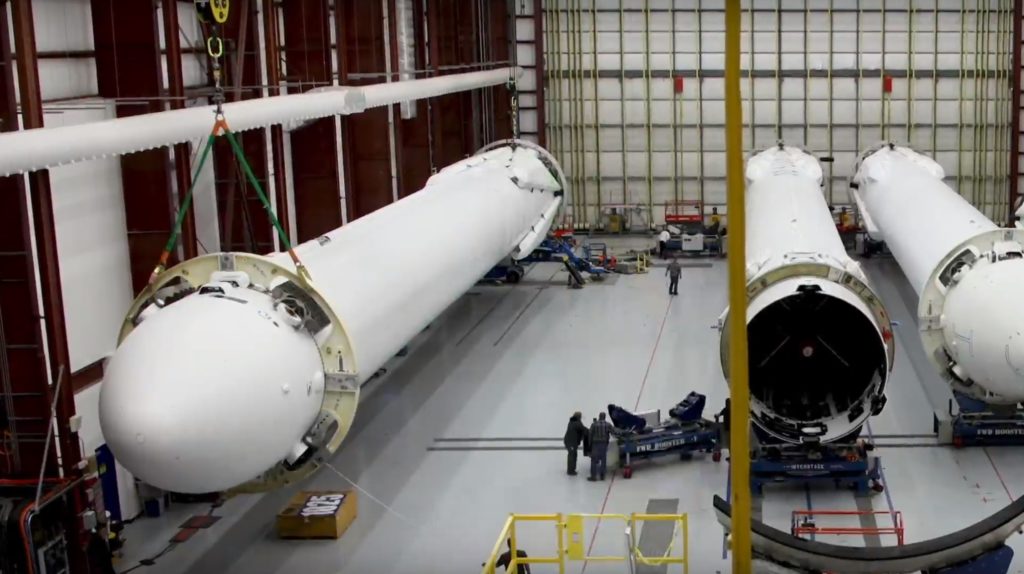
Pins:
x,y
315,167
182,152
129,65
46,238
244,225
272,46
499,22
49,284
20,333
1018,107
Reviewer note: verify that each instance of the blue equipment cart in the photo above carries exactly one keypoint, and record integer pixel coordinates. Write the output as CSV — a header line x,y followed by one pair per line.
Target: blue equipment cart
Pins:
x,y
980,424
683,434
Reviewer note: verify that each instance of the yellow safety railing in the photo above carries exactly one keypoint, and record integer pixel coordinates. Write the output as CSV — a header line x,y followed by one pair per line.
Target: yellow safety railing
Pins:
x,y
642,262
572,541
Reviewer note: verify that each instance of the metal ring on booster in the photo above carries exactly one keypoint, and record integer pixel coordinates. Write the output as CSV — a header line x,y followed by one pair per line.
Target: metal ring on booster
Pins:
x,y
341,391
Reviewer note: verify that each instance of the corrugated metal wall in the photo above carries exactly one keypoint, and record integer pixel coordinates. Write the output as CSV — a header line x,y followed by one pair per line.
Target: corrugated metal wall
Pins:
x,y
814,74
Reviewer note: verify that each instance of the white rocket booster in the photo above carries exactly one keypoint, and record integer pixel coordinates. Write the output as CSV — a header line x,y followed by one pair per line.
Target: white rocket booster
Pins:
x,y
235,372
967,271
820,342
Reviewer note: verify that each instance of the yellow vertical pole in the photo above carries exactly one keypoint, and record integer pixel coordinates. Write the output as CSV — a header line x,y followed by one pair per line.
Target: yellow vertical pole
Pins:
x,y
739,448
686,543
560,528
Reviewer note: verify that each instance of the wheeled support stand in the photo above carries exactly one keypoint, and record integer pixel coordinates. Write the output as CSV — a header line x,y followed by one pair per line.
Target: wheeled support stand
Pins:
x,y
981,424
846,465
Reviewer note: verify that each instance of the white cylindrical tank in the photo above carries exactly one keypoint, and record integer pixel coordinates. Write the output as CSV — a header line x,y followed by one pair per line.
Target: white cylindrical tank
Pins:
x,y
966,270
234,368
820,343
401,266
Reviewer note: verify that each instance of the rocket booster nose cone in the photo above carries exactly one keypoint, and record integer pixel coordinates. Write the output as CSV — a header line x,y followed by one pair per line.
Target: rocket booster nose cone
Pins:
x,y
209,392
983,328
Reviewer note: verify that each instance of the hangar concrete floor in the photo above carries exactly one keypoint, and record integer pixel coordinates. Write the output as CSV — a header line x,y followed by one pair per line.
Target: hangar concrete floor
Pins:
x,y
466,429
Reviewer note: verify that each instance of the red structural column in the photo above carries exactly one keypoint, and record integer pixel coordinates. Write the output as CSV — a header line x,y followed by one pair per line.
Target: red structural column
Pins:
x,y
315,162
452,37
362,56
272,45
46,239
21,338
182,152
244,225
498,21
129,65
50,288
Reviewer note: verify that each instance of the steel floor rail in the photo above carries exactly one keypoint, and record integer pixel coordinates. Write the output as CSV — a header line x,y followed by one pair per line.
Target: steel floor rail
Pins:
x,y
948,550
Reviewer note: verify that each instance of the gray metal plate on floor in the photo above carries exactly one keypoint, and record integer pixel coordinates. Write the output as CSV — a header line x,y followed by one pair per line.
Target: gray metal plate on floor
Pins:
x,y
656,536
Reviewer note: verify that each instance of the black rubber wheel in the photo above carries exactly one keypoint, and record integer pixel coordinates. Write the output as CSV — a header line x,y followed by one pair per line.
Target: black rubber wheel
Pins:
x,y
514,274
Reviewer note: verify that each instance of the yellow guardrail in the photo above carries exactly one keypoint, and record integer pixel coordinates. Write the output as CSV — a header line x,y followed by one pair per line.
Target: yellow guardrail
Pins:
x,y
572,542
643,261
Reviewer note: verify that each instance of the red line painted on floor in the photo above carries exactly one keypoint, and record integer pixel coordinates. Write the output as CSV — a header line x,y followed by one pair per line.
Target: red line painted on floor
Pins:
x,y
998,475
654,352
643,383
593,537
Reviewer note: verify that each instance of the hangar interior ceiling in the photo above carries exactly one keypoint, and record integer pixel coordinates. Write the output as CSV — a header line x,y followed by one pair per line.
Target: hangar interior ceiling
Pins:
x,y
634,104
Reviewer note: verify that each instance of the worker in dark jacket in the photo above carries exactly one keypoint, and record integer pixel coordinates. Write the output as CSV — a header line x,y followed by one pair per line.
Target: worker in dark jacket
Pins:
x,y
506,560
723,425
674,270
600,434
574,434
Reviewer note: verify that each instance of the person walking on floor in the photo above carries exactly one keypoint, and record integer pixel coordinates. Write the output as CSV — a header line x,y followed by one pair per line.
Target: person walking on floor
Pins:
x,y
600,434
663,239
574,434
674,270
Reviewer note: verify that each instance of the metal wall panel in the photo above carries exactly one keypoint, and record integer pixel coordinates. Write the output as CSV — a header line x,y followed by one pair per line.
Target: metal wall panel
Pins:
x,y
314,147
813,75
363,60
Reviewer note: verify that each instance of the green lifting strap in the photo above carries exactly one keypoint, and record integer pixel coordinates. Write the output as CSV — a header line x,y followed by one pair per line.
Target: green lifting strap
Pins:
x,y
236,148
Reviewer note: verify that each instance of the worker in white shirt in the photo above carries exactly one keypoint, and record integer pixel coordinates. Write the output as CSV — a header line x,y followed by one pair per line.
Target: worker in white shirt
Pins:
x,y
663,238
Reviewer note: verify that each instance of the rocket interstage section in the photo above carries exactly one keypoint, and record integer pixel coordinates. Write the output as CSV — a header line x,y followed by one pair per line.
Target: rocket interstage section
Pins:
x,y
820,342
236,372
967,271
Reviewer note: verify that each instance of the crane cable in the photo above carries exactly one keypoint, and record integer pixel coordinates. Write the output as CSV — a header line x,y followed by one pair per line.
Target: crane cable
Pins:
x,y
214,13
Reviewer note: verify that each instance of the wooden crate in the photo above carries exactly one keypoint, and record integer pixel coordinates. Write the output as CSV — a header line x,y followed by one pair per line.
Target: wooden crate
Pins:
x,y
317,514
